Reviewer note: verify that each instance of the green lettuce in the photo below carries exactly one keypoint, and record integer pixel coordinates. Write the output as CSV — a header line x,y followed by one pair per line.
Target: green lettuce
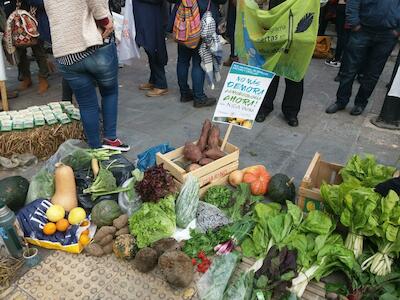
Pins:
x,y
153,221
366,171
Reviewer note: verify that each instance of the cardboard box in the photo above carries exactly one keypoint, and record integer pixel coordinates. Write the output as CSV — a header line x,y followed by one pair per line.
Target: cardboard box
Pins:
x,y
319,171
214,173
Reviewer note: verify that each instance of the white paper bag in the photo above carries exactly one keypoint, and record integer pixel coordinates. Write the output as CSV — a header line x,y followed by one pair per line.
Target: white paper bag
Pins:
x,y
127,47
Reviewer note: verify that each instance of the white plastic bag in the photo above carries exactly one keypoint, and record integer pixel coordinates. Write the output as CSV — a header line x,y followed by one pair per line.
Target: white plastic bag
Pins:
x,y
127,47
118,20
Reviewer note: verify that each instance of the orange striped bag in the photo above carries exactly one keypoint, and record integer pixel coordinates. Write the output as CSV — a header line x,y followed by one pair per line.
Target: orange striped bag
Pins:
x,y
187,24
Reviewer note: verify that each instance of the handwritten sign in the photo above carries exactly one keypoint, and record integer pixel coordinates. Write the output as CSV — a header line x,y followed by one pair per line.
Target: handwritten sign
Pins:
x,y
242,95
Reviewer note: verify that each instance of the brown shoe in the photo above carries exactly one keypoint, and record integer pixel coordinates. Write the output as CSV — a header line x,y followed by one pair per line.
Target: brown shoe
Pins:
x,y
230,61
43,85
155,92
146,86
25,84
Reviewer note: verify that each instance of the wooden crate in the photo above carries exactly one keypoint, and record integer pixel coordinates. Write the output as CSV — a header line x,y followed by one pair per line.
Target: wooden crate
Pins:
x,y
214,173
319,171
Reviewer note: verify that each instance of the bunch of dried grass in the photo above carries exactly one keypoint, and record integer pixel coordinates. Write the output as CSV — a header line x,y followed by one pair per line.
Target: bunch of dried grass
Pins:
x,y
40,141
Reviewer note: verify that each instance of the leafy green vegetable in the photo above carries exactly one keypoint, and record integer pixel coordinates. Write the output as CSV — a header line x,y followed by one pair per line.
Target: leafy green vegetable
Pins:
x,y
212,284
366,171
387,235
104,184
206,241
81,158
153,221
243,202
218,195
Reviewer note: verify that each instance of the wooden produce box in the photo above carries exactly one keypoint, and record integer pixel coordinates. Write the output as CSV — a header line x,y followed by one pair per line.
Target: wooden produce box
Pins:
x,y
319,171
214,173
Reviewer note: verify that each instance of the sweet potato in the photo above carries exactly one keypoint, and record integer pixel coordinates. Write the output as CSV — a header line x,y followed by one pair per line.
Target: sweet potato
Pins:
x,y
202,143
192,152
103,232
214,153
213,138
205,161
121,221
193,167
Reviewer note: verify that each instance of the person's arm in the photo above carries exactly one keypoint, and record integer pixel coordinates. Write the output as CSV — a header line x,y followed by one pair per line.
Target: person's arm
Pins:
x,y
99,8
353,14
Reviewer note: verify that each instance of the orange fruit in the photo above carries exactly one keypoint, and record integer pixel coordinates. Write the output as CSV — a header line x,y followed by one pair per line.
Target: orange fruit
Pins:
x,y
49,228
62,225
85,223
84,239
86,232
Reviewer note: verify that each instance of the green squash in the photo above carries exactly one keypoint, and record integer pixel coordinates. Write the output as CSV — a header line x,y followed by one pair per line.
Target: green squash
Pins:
x,y
125,246
281,188
14,190
105,212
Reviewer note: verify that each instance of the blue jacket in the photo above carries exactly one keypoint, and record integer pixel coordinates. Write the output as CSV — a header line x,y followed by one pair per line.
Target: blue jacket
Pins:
x,y
374,14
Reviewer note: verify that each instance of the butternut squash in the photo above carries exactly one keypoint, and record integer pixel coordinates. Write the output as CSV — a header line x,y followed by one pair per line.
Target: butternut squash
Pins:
x,y
65,187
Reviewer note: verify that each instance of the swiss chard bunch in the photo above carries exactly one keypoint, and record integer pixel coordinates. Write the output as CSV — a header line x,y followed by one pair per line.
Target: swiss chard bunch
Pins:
x,y
387,235
366,171
354,206
156,184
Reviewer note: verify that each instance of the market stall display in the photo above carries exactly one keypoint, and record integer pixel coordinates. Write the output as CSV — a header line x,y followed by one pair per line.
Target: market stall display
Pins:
x,y
196,233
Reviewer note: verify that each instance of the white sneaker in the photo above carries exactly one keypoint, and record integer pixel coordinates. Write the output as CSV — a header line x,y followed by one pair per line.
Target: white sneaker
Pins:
x,y
333,63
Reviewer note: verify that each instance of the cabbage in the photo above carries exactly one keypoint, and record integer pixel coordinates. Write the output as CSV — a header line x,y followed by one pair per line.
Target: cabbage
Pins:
x,y
153,221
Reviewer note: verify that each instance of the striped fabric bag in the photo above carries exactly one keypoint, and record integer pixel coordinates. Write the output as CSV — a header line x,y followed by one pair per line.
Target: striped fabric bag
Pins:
x,y
187,25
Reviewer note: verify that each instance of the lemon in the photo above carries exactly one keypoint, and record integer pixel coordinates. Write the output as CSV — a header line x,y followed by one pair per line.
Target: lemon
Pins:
x,y
55,213
76,215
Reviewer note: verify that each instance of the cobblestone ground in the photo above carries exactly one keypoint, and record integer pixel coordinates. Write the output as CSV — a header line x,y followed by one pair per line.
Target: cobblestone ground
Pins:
x,y
145,122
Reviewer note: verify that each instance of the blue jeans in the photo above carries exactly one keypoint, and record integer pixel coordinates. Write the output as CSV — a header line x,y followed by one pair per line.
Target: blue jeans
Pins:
x,y
369,51
182,69
101,68
157,72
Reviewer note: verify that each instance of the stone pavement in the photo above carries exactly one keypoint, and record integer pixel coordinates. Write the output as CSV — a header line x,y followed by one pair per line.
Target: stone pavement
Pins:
x,y
145,122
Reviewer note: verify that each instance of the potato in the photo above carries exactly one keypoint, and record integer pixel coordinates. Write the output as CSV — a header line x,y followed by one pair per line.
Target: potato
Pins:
x,y
205,161
193,167
214,153
94,249
213,138
108,249
103,232
107,239
202,143
121,221
124,230
192,152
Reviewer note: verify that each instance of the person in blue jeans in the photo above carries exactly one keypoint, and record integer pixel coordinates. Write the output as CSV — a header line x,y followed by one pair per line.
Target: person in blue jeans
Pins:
x,y
87,55
375,26
187,55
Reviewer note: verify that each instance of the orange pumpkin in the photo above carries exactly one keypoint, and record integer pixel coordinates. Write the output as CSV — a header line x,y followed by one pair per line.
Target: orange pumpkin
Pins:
x,y
258,178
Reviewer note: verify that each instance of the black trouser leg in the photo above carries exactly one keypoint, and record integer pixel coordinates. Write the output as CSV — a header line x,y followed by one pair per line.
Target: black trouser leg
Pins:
x,y
268,103
340,30
292,100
